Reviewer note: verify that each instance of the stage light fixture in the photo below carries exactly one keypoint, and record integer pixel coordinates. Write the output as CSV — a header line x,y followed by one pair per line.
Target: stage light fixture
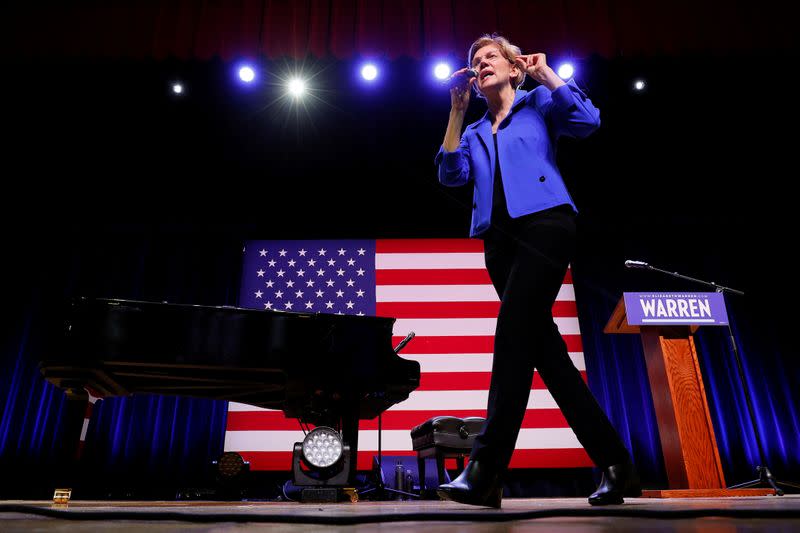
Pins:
x,y
327,465
231,465
639,85
231,475
297,87
177,88
322,447
247,74
441,71
369,72
566,71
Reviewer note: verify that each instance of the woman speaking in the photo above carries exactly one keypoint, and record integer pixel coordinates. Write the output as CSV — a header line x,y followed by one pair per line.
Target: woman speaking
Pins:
x,y
526,218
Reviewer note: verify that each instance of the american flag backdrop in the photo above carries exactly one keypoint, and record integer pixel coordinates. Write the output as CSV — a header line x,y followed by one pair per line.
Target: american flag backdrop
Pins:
x,y
438,288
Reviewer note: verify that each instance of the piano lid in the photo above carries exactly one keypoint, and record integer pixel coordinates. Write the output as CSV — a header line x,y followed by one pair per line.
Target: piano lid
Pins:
x,y
301,363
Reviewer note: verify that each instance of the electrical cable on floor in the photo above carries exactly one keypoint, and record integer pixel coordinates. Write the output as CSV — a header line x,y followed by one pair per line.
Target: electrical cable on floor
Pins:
x,y
484,515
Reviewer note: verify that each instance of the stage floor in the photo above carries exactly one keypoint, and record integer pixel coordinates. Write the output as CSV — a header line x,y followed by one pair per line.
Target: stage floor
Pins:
x,y
766,513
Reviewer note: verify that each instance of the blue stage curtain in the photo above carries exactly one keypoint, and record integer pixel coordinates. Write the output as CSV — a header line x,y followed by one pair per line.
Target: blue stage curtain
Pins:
x,y
154,440
30,408
772,372
147,440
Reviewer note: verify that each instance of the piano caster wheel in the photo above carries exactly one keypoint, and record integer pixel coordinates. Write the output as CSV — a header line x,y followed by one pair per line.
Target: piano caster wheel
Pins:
x,y
62,496
352,494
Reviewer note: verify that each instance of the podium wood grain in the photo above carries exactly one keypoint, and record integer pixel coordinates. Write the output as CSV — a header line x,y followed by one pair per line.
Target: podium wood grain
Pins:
x,y
687,436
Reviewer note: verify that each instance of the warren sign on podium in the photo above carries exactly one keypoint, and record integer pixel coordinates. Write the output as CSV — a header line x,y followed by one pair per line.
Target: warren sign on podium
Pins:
x,y
678,308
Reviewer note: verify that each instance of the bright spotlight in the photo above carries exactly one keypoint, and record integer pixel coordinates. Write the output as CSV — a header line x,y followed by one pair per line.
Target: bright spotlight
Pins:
x,y
369,72
322,447
297,87
177,88
442,71
639,85
565,71
247,74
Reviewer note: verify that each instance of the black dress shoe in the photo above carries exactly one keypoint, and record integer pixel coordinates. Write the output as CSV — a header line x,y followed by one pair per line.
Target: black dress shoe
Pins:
x,y
618,481
478,484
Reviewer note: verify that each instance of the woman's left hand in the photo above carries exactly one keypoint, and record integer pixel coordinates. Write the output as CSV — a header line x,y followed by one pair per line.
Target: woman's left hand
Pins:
x,y
535,66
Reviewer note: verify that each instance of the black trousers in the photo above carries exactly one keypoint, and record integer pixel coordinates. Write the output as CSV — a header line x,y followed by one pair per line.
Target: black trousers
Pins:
x,y
527,259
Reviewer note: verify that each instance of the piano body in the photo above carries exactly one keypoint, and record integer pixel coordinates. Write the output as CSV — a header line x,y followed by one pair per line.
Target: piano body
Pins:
x,y
323,369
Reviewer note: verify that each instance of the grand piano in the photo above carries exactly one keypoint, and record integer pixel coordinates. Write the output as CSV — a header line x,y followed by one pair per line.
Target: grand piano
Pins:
x,y
323,369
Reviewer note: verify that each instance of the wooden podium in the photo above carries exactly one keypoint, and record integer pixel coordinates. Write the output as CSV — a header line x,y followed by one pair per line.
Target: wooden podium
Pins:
x,y
687,436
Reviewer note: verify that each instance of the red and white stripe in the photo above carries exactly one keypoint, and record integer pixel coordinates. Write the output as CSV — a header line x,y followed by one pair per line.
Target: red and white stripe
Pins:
x,y
86,419
440,289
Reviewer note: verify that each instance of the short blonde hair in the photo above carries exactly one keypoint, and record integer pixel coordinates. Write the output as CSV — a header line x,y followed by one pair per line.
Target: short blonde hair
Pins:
x,y
509,51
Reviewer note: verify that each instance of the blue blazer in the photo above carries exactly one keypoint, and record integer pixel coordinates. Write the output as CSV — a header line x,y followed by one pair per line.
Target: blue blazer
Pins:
x,y
526,140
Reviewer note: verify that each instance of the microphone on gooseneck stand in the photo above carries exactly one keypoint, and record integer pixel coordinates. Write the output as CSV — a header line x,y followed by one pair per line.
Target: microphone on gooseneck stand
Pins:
x,y
404,342
636,264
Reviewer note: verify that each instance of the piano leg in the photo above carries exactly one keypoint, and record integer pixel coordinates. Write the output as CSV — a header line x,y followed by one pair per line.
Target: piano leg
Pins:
x,y
350,436
72,422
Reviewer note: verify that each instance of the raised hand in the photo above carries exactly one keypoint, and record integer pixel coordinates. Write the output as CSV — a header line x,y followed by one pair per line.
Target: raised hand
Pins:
x,y
535,66
459,94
